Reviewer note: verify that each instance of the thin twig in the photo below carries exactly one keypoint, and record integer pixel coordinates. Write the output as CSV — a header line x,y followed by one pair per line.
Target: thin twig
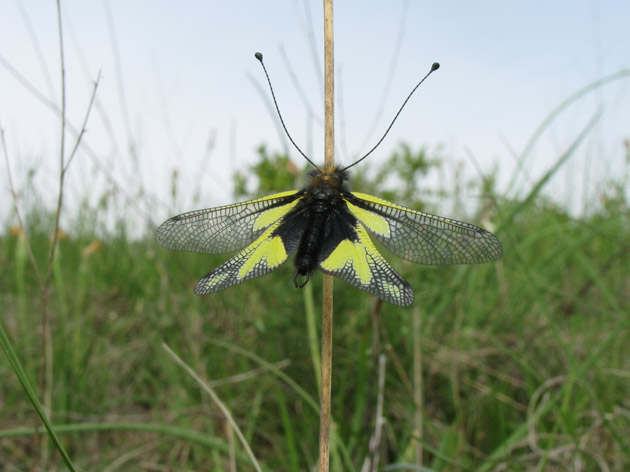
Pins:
x,y
84,124
45,374
371,461
62,148
95,159
45,370
327,303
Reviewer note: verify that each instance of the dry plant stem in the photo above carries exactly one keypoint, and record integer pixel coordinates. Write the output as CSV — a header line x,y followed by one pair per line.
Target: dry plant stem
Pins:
x,y
14,196
325,400
62,150
329,86
327,304
229,432
370,464
417,381
96,161
45,370
84,124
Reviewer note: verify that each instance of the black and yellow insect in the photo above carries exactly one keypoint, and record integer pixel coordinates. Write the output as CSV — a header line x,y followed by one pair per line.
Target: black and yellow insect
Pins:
x,y
328,227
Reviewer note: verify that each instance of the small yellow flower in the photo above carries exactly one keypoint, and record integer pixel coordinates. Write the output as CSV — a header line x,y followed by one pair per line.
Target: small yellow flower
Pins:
x,y
92,248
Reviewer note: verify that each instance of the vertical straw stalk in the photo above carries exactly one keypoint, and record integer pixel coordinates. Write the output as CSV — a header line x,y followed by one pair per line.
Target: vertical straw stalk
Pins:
x,y
327,303
417,382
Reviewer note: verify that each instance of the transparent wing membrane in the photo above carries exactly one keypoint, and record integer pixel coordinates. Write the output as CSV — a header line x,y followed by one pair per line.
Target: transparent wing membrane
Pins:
x,y
423,238
227,228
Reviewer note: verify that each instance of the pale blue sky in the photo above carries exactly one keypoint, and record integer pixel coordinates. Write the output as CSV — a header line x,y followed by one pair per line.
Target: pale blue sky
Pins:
x,y
185,74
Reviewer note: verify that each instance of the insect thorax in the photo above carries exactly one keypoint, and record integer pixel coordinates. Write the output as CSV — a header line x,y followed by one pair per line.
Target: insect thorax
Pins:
x,y
323,200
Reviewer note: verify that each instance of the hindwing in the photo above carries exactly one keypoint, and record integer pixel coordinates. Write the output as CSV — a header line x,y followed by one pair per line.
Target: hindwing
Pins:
x,y
264,255
349,254
420,237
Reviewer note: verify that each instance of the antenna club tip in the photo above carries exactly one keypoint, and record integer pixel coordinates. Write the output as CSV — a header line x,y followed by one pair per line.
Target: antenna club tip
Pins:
x,y
258,56
435,66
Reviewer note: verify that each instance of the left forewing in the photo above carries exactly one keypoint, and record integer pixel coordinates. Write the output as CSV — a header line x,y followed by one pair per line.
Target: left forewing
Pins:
x,y
227,228
423,238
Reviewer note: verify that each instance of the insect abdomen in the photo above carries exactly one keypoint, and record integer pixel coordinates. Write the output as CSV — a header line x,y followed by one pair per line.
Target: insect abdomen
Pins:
x,y
306,258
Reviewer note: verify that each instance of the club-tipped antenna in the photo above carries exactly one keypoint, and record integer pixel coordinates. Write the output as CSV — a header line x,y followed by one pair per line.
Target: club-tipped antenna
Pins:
x,y
259,56
434,67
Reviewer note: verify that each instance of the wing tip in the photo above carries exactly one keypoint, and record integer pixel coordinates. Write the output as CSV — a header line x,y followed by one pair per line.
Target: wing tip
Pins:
x,y
406,301
494,246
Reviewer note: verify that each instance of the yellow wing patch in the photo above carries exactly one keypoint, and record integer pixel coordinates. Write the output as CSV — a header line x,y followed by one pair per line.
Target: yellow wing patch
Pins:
x,y
266,252
268,217
262,256
360,264
375,223
350,256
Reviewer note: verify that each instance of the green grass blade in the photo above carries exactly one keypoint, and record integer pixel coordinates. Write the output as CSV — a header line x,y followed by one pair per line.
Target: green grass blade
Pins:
x,y
525,203
216,399
272,368
156,428
19,371
313,339
504,449
559,109
289,435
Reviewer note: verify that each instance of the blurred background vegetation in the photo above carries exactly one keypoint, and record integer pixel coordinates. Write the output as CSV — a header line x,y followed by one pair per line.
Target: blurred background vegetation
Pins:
x,y
518,365
522,364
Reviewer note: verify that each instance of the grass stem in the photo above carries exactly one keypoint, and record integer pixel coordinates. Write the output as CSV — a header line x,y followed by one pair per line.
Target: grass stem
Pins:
x,y
226,413
417,381
327,304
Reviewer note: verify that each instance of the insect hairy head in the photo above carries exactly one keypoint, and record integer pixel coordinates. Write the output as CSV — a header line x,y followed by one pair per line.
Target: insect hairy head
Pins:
x,y
335,180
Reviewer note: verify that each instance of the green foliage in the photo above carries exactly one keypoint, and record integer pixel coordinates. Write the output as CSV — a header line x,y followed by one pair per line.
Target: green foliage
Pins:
x,y
273,172
525,361
400,177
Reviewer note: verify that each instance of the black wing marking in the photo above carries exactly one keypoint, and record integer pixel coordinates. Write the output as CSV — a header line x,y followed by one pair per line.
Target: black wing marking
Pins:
x,y
350,255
